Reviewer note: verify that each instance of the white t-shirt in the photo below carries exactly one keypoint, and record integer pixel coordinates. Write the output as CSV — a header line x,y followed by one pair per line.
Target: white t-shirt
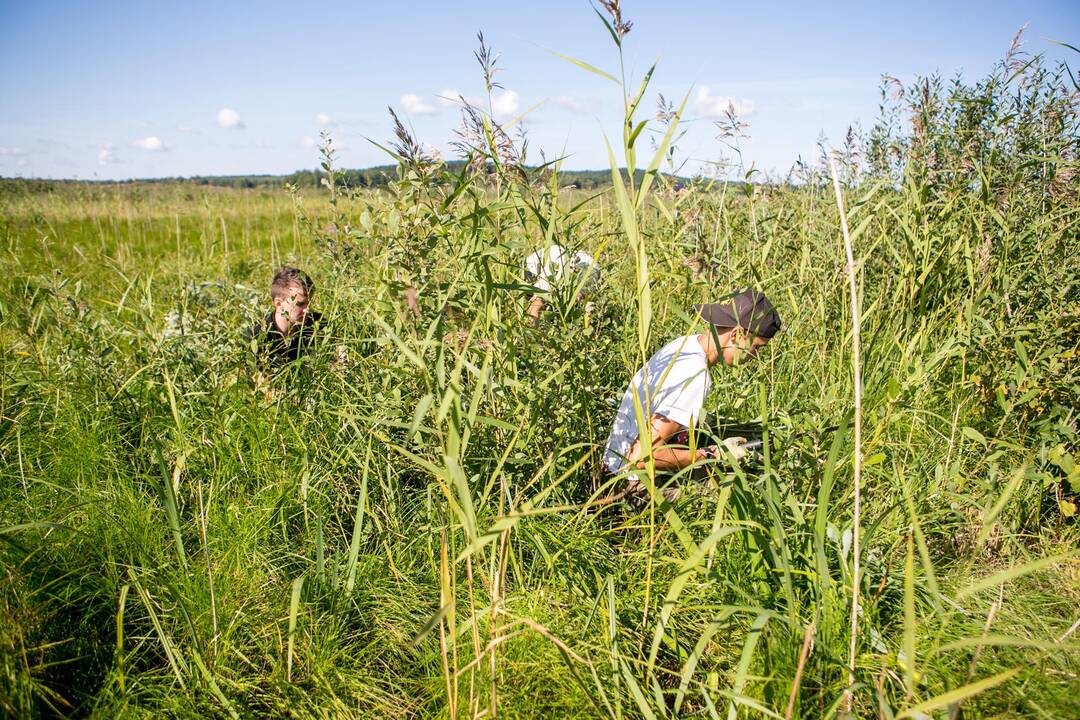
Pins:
x,y
677,381
543,269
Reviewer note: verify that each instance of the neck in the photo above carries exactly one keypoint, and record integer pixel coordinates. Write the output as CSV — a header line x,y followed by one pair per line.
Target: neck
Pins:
x,y
712,352
282,323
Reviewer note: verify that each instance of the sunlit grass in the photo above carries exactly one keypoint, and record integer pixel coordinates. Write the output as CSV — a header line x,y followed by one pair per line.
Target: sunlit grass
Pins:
x,y
411,535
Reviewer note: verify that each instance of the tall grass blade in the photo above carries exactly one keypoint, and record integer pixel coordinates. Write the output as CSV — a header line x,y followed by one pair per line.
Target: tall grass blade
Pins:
x,y
294,609
742,670
960,693
1012,573
358,525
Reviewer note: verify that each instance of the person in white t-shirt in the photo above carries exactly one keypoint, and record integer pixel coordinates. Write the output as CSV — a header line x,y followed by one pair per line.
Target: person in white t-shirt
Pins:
x,y
672,387
555,268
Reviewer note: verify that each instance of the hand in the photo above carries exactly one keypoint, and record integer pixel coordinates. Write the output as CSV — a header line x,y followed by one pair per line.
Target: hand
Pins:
x,y
735,446
341,359
532,312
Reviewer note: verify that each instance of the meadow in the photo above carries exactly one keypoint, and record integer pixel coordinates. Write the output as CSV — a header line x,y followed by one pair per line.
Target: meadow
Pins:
x,y
418,532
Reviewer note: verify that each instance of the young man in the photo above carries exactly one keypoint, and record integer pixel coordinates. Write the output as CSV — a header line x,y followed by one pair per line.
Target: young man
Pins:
x,y
287,331
556,266
672,386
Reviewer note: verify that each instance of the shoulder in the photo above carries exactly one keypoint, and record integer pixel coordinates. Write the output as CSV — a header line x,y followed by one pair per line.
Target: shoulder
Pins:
x,y
257,329
533,263
584,259
680,360
684,349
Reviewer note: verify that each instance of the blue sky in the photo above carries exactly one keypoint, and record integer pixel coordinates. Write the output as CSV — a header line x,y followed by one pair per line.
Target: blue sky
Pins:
x,y
119,90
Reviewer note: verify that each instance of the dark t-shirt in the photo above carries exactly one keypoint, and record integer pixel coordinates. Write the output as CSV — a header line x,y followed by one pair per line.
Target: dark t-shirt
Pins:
x,y
275,349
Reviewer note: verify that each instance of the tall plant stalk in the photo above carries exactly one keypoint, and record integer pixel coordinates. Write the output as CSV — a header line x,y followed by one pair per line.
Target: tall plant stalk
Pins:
x,y
856,364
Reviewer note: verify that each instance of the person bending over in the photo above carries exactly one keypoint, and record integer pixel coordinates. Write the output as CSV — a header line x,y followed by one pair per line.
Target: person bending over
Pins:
x,y
674,383
554,268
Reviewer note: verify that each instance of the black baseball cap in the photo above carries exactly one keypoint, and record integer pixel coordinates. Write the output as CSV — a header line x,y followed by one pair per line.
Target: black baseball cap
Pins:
x,y
749,309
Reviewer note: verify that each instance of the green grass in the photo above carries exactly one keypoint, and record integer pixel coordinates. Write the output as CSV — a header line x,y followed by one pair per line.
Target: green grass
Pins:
x,y
410,536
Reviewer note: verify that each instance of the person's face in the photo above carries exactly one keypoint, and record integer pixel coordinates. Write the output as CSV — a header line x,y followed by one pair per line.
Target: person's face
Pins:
x,y
742,346
292,306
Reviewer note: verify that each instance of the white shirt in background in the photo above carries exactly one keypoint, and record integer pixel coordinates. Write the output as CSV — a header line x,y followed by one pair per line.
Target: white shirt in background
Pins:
x,y
545,269
675,380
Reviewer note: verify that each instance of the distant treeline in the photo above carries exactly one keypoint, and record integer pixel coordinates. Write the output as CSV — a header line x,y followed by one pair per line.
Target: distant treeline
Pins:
x,y
372,177
381,175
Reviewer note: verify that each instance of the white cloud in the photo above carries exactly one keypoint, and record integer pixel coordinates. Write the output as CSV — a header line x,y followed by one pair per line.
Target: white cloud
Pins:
x,y
105,154
308,142
571,103
324,120
505,103
22,162
152,143
450,97
186,130
13,152
715,106
229,118
415,105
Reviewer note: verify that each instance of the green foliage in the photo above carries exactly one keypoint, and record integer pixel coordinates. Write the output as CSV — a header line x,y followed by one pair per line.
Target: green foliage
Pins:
x,y
414,532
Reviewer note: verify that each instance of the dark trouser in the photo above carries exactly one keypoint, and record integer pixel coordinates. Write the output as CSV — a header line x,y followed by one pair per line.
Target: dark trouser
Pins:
x,y
639,490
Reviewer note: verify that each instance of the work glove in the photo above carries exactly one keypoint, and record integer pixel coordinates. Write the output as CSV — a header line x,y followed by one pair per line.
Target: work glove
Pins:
x,y
734,445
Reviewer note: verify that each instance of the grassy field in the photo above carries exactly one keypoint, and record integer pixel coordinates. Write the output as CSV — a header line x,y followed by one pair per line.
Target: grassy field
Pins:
x,y
416,534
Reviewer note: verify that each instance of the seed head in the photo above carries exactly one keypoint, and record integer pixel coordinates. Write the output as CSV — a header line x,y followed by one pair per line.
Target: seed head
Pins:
x,y
665,109
615,11
488,60
411,151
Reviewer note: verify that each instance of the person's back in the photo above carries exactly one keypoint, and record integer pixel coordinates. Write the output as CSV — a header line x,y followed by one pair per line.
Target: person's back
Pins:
x,y
673,383
670,390
547,270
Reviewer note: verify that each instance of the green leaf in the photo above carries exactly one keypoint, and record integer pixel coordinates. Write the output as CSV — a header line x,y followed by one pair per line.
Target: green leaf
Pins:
x,y
661,150
973,434
294,608
686,572
873,459
1006,641
742,670
641,92
960,693
585,66
1002,501
1065,44
1012,573
419,414
635,692
699,649
637,131
910,619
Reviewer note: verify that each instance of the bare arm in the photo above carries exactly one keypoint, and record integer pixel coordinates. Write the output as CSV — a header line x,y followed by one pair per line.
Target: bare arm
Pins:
x,y
262,384
670,458
665,458
536,304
